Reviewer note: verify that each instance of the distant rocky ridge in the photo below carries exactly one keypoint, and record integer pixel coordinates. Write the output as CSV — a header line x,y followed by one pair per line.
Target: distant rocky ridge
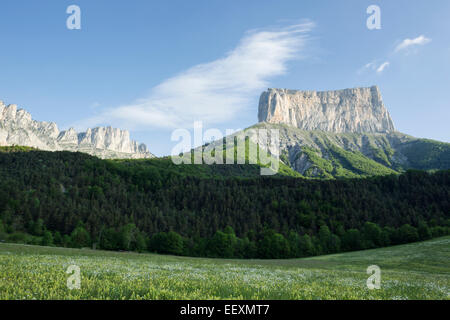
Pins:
x,y
18,128
348,110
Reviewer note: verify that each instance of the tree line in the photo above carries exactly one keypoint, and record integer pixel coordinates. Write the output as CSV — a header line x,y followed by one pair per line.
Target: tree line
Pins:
x,y
75,200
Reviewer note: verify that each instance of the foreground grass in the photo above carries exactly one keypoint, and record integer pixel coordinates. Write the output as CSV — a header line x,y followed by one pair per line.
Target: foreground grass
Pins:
x,y
413,271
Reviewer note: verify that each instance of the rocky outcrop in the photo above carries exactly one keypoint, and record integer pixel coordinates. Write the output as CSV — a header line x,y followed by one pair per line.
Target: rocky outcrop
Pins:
x,y
18,128
348,110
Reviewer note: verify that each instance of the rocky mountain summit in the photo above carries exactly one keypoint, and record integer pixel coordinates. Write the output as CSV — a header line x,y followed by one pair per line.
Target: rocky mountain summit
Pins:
x,y
348,110
344,133
18,128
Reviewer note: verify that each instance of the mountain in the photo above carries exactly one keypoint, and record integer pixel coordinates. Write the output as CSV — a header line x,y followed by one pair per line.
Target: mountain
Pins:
x,y
330,134
74,199
18,128
344,133
348,110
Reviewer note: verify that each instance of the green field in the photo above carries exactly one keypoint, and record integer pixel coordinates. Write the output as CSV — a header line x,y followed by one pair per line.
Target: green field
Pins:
x,y
413,271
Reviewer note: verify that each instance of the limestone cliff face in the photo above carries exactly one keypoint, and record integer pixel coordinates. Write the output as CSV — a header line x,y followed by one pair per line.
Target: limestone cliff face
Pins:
x,y
348,110
18,128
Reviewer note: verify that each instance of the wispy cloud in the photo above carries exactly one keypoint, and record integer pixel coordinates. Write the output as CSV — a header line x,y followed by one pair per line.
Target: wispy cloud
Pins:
x,y
405,45
369,66
408,43
213,92
383,66
374,66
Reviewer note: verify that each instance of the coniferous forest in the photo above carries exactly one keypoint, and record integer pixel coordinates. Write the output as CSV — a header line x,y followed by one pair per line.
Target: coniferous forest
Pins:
x,y
75,200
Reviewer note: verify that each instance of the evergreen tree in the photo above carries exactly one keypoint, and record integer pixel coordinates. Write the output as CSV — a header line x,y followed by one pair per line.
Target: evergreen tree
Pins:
x,y
408,233
80,238
306,246
47,239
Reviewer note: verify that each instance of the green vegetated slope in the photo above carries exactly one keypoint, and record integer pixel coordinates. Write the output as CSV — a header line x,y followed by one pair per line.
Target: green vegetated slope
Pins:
x,y
165,166
75,200
414,271
244,150
320,154
427,154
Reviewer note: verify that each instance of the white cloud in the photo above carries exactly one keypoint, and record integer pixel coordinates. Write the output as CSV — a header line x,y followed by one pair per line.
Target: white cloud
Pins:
x,y
374,66
368,66
382,67
407,43
217,91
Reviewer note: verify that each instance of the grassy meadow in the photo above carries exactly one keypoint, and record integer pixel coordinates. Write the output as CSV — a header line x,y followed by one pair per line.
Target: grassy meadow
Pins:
x,y
413,271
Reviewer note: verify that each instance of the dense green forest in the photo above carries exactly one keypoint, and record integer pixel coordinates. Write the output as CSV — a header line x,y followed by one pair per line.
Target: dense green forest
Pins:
x,y
75,200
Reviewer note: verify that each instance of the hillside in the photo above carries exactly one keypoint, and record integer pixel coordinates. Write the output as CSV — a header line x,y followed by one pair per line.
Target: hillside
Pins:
x,y
329,155
73,199
165,166
414,271
321,154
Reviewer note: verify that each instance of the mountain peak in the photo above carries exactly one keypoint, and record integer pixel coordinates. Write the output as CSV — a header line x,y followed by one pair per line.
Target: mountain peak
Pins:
x,y
18,128
346,110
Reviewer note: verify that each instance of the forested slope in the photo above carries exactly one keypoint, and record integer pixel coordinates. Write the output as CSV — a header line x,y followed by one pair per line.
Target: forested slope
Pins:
x,y
73,199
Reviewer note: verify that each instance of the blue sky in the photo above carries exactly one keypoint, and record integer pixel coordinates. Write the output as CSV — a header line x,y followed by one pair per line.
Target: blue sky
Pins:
x,y
154,66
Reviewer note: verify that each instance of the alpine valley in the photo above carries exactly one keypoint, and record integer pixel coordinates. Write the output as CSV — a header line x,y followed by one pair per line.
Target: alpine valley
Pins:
x,y
347,181
333,134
